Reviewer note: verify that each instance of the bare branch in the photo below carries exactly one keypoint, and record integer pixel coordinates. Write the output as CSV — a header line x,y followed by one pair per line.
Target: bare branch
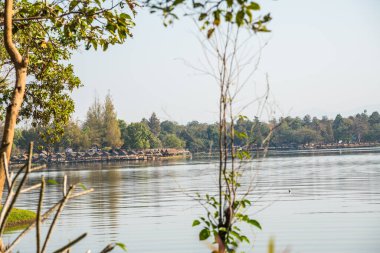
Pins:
x,y
65,185
43,219
31,188
38,219
108,248
55,219
9,182
9,209
67,246
38,168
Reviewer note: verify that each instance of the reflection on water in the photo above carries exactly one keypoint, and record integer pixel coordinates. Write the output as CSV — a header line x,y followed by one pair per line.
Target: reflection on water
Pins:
x,y
308,203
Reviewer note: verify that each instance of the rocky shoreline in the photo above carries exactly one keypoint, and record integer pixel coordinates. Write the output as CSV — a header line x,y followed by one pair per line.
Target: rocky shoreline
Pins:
x,y
101,155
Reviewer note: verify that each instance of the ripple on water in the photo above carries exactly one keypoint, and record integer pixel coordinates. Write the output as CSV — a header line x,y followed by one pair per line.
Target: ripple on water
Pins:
x,y
333,204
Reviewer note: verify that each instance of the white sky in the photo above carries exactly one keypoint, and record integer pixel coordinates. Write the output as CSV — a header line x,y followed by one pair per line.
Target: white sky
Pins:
x,y
323,58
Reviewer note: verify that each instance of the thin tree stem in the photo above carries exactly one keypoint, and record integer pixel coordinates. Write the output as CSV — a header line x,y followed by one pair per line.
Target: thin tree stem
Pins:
x,y
38,219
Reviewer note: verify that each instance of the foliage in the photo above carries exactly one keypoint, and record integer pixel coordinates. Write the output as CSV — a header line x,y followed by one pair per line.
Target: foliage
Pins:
x,y
233,234
19,216
211,14
102,126
172,141
154,124
138,136
202,137
58,28
94,124
227,210
112,135
170,127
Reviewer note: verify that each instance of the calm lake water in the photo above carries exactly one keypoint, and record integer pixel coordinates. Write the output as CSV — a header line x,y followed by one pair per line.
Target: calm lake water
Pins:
x,y
333,204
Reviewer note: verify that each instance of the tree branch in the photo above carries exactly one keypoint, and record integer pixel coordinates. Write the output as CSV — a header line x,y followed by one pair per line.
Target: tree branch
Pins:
x,y
8,36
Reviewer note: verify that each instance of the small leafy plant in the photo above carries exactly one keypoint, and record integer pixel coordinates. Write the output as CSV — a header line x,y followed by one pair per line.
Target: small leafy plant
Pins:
x,y
223,219
226,211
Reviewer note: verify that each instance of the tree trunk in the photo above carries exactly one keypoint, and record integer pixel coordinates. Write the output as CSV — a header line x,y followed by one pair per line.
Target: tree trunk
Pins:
x,y
10,121
13,108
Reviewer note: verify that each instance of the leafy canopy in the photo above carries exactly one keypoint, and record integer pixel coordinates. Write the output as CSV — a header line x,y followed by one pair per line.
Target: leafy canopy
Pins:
x,y
48,32
210,13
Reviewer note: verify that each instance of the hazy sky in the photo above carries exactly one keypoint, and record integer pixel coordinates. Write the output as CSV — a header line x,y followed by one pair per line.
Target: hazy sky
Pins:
x,y
322,58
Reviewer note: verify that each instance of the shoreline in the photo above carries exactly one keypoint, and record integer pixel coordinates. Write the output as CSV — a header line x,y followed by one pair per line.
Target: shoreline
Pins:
x,y
288,150
103,156
108,160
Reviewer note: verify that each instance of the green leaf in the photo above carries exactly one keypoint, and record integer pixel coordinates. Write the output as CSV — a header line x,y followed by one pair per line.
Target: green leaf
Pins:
x,y
197,5
121,245
254,223
223,229
177,2
125,16
51,181
82,186
254,6
228,16
241,135
244,238
202,16
236,235
204,234
196,223
216,18
243,117
73,4
240,17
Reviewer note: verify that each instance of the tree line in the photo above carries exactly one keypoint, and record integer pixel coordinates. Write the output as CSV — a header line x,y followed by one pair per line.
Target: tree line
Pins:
x,y
103,129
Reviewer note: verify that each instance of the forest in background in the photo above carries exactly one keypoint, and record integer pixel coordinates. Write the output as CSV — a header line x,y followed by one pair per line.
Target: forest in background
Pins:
x,y
102,128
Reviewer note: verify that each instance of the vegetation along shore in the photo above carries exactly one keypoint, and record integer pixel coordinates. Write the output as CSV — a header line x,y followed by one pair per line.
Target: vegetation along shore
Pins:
x,y
103,129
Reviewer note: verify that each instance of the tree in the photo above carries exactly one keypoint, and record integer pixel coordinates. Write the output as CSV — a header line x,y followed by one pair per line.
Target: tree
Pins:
x,y
140,137
112,134
307,120
170,127
326,130
172,141
306,136
94,124
145,121
295,123
195,135
374,118
73,137
154,124
360,126
342,129
154,141
374,127
212,136
123,130
226,209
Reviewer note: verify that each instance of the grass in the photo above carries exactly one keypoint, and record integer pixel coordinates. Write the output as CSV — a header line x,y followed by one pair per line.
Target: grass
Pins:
x,y
19,218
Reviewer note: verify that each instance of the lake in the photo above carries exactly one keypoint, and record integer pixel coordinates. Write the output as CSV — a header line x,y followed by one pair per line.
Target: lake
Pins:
x,y
308,202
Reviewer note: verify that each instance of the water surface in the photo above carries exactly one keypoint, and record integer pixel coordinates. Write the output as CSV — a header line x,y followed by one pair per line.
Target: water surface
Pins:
x,y
313,203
